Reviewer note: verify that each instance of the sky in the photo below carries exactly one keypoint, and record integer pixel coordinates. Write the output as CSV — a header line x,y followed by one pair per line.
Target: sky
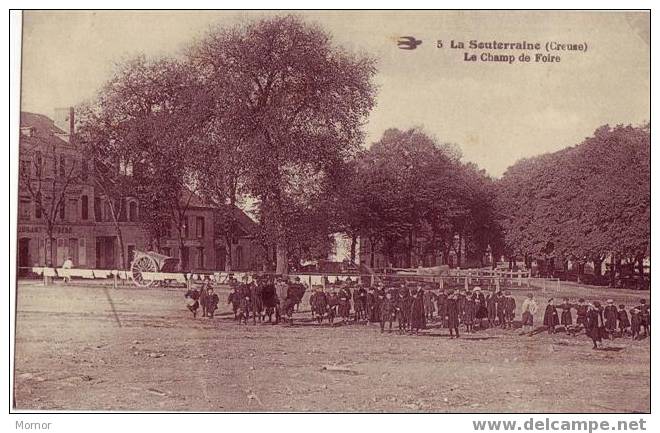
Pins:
x,y
496,112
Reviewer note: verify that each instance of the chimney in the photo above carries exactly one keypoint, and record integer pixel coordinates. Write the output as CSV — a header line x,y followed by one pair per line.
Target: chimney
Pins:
x,y
64,119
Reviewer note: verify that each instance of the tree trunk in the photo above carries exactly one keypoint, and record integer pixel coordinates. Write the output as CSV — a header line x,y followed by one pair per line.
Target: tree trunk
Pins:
x,y
410,249
122,254
459,250
281,267
372,257
598,266
51,262
181,246
353,246
228,263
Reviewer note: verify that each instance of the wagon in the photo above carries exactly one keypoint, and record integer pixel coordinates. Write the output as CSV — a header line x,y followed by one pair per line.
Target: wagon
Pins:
x,y
148,262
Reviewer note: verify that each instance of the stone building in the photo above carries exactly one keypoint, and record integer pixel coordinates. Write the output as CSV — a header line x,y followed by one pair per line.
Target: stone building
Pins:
x,y
54,173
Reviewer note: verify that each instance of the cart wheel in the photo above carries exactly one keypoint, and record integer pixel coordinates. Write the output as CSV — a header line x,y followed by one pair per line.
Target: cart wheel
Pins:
x,y
138,267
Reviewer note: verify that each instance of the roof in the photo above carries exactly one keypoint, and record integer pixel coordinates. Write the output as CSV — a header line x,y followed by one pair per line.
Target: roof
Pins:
x,y
44,128
244,221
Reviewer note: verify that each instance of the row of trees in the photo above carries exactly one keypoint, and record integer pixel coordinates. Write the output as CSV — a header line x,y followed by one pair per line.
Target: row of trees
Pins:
x,y
271,113
407,187
583,203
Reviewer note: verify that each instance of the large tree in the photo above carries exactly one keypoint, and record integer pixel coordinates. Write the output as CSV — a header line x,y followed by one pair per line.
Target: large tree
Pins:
x,y
301,101
141,130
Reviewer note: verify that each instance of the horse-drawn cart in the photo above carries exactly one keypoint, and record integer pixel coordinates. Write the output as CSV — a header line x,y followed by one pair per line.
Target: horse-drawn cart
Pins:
x,y
145,264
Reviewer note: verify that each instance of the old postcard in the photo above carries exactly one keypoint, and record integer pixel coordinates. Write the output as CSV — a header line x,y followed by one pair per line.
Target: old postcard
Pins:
x,y
334,211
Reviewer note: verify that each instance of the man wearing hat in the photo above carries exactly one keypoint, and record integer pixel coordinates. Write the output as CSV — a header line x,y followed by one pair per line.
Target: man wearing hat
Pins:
x,y
611,315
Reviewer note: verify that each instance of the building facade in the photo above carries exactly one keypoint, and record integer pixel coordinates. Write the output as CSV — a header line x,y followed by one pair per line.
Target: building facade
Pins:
x,y
56,189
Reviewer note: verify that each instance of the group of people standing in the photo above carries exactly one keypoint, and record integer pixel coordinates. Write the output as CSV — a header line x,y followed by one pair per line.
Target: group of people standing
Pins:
x,y
413,307
599,322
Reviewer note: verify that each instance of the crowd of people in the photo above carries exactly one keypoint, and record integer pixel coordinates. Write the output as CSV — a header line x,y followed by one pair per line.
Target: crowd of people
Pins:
x,y
413,307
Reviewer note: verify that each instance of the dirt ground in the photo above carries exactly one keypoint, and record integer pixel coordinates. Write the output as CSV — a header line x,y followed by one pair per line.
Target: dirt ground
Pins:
x,y
74,353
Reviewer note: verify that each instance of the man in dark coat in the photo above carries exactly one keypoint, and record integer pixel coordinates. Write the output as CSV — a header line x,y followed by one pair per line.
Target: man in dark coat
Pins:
x,y
452,313
644,316
372,299
319,304
234,299
387,311
595,324
269,299
510,307
257,301
417,311
551,317
344,295
491,307
624,322
582,311
566,316
469,312
203,300
482,309
441,301
403,309
634,323
501,309
212,301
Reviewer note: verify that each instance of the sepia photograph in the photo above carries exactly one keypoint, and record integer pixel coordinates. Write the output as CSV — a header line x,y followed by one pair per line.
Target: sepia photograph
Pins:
x,y
333,211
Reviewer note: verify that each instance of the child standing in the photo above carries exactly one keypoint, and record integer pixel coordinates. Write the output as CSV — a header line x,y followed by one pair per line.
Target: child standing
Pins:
x,y
510,309
610,314
595,324
624,323
452,313
529,308
387,312
566,316
634,323
582,309
551,317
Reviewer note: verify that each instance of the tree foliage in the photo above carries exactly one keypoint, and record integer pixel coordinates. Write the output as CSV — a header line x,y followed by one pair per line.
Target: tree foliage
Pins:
x,y
585,201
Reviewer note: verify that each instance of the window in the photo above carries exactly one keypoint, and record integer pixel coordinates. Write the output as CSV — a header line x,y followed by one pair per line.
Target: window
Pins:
x,y
84,208
199,227
167,251
62,210
132,211
84,170
62,166
97,209
25,169
107,212
185,254
24,210
37,206
38,162
73,210
220,258
186,227
200,257
131,253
